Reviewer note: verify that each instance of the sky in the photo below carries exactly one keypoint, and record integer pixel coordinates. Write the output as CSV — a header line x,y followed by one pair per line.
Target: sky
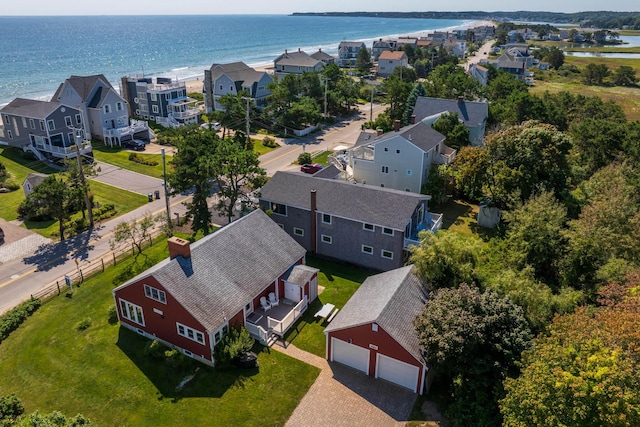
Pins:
x,y
243,7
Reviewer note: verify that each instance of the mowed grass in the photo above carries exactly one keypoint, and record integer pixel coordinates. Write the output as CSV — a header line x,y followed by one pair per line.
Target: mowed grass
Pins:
x,y
340,281
102,372
120,157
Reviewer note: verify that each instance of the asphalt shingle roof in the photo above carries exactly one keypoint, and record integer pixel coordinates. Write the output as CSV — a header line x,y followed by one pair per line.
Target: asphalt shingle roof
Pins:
x,y
471,112
392,300
238,72
374,205
83,85
227,268
301,274
297,58
30,108
392,55
421,135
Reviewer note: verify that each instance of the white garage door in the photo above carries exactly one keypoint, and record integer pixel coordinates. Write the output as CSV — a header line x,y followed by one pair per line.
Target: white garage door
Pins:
x,y
350,355
397,372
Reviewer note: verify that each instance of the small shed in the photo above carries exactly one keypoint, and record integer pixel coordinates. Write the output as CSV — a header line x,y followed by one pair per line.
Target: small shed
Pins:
x,y
488,216
31,182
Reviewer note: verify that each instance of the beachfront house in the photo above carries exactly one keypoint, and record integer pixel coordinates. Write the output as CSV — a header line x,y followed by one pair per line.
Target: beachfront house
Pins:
x,y
324,57
348,53
248,273
296,62
388,61
400,159
105,113
365,225
48,129
473,114
160,99
231,79
380,46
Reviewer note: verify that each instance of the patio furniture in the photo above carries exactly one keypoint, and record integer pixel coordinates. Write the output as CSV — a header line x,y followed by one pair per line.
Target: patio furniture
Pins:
x,y
265,305
325,310
333,315
273,300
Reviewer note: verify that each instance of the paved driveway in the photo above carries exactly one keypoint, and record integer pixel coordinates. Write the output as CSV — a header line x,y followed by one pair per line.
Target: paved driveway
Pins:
x,y
342,396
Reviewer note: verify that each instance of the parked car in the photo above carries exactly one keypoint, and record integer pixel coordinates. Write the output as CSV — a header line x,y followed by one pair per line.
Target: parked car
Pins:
x,y
312,168
211,125
135,144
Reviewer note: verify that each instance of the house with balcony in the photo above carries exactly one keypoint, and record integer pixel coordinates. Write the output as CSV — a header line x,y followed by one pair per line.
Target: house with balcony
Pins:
x,y
473,114
388,61
400,159
348,53
160,99
190,300
48,129
361,224
105,113
380,46
296,62
231,79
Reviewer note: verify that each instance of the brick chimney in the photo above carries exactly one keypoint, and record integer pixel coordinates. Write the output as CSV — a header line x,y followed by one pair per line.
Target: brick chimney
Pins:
x,y
313,221
413,119
178,247
396,125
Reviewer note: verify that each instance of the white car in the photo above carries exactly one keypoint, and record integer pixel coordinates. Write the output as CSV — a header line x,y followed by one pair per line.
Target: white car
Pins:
x,y
209,125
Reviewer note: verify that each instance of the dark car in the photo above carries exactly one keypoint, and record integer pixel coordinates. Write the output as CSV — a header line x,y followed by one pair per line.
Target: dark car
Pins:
x,y
135,144
312,168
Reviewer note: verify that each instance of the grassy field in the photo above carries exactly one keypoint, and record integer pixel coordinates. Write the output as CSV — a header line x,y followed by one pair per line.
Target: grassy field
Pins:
x,y
340,281
120,157
102,372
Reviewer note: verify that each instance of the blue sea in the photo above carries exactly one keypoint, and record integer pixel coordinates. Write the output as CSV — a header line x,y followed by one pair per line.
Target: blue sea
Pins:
x,y
39,53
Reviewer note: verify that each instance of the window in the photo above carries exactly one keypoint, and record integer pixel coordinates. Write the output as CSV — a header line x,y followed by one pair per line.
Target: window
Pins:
x,y
279,209
409,172
326,219
220,87
78,119
374,327
24,122
190,333
368,227
107,109
154,108
298,231
385,169
326,239
367,249
397,151
217,336
9,134
154,96
386,254
67,121
41,125
51,124
386,148
131,312
119,106
155,294
387,231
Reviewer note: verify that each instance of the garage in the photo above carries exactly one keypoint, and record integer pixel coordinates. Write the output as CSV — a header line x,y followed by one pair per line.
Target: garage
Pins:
x,y
350,355
397,372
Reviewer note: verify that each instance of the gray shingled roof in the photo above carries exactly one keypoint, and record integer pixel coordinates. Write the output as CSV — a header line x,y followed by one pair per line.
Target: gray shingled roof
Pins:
x,y
392,300
471,112
35,179
421,135
322,56
237,71
30,108
83,85
374,205
301,274
227,268
297,58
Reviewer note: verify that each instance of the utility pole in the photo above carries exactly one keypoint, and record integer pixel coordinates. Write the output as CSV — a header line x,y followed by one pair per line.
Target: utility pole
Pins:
x,y
78,136
247,121
371,104
166,193
326,80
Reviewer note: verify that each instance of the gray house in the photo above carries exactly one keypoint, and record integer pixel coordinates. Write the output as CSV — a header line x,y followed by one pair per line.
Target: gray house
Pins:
x,y
48,129
105,112
160,99
324,57
400,159
360,224
230,79
473,114
348,53
296,63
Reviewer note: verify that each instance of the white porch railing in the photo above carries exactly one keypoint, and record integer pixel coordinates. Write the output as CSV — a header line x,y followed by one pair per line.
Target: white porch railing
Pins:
x,y
258,332
281,326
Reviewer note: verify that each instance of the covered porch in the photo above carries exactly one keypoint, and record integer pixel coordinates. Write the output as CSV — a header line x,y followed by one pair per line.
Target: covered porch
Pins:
x,y
267,325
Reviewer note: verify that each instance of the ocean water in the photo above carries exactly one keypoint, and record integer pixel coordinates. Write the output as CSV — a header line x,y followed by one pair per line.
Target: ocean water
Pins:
x,y
39,53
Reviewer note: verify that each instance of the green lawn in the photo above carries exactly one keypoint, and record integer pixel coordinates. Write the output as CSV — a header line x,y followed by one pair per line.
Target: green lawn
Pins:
x,y
321,157
120,157
261,149
102,372
340,281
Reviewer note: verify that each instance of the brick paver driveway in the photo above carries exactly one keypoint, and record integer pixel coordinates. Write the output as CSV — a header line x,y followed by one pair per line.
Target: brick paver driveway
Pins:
x,y
342,396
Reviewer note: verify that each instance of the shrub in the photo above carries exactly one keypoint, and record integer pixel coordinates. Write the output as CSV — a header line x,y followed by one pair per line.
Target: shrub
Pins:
x,y
137,159
175,358
112,315
155,349
10,409
304,158
10,321
235,343
83,325
269,142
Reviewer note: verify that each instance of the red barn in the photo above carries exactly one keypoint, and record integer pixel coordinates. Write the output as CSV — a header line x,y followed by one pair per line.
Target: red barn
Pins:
x,y
190,300
374,331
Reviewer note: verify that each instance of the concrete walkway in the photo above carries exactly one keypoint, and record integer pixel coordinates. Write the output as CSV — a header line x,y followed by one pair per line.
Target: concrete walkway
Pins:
x,y
342,396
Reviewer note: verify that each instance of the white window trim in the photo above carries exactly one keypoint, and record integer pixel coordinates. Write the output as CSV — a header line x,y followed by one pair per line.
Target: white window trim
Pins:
x,y
298,231
154,108
330,219
186,330
364,227
382,254
51,125
148,292
125,312
273,211
329,240
362,248
384,231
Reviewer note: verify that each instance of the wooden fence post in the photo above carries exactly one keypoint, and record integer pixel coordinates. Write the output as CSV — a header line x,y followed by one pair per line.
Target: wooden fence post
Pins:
x,y
58,285
102,261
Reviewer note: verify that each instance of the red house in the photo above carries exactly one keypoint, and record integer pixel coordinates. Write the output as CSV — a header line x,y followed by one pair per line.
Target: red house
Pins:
x,y
190,300
374,331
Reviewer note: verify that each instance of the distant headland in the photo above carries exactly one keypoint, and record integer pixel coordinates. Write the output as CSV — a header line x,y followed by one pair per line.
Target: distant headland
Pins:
x,y
600,19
